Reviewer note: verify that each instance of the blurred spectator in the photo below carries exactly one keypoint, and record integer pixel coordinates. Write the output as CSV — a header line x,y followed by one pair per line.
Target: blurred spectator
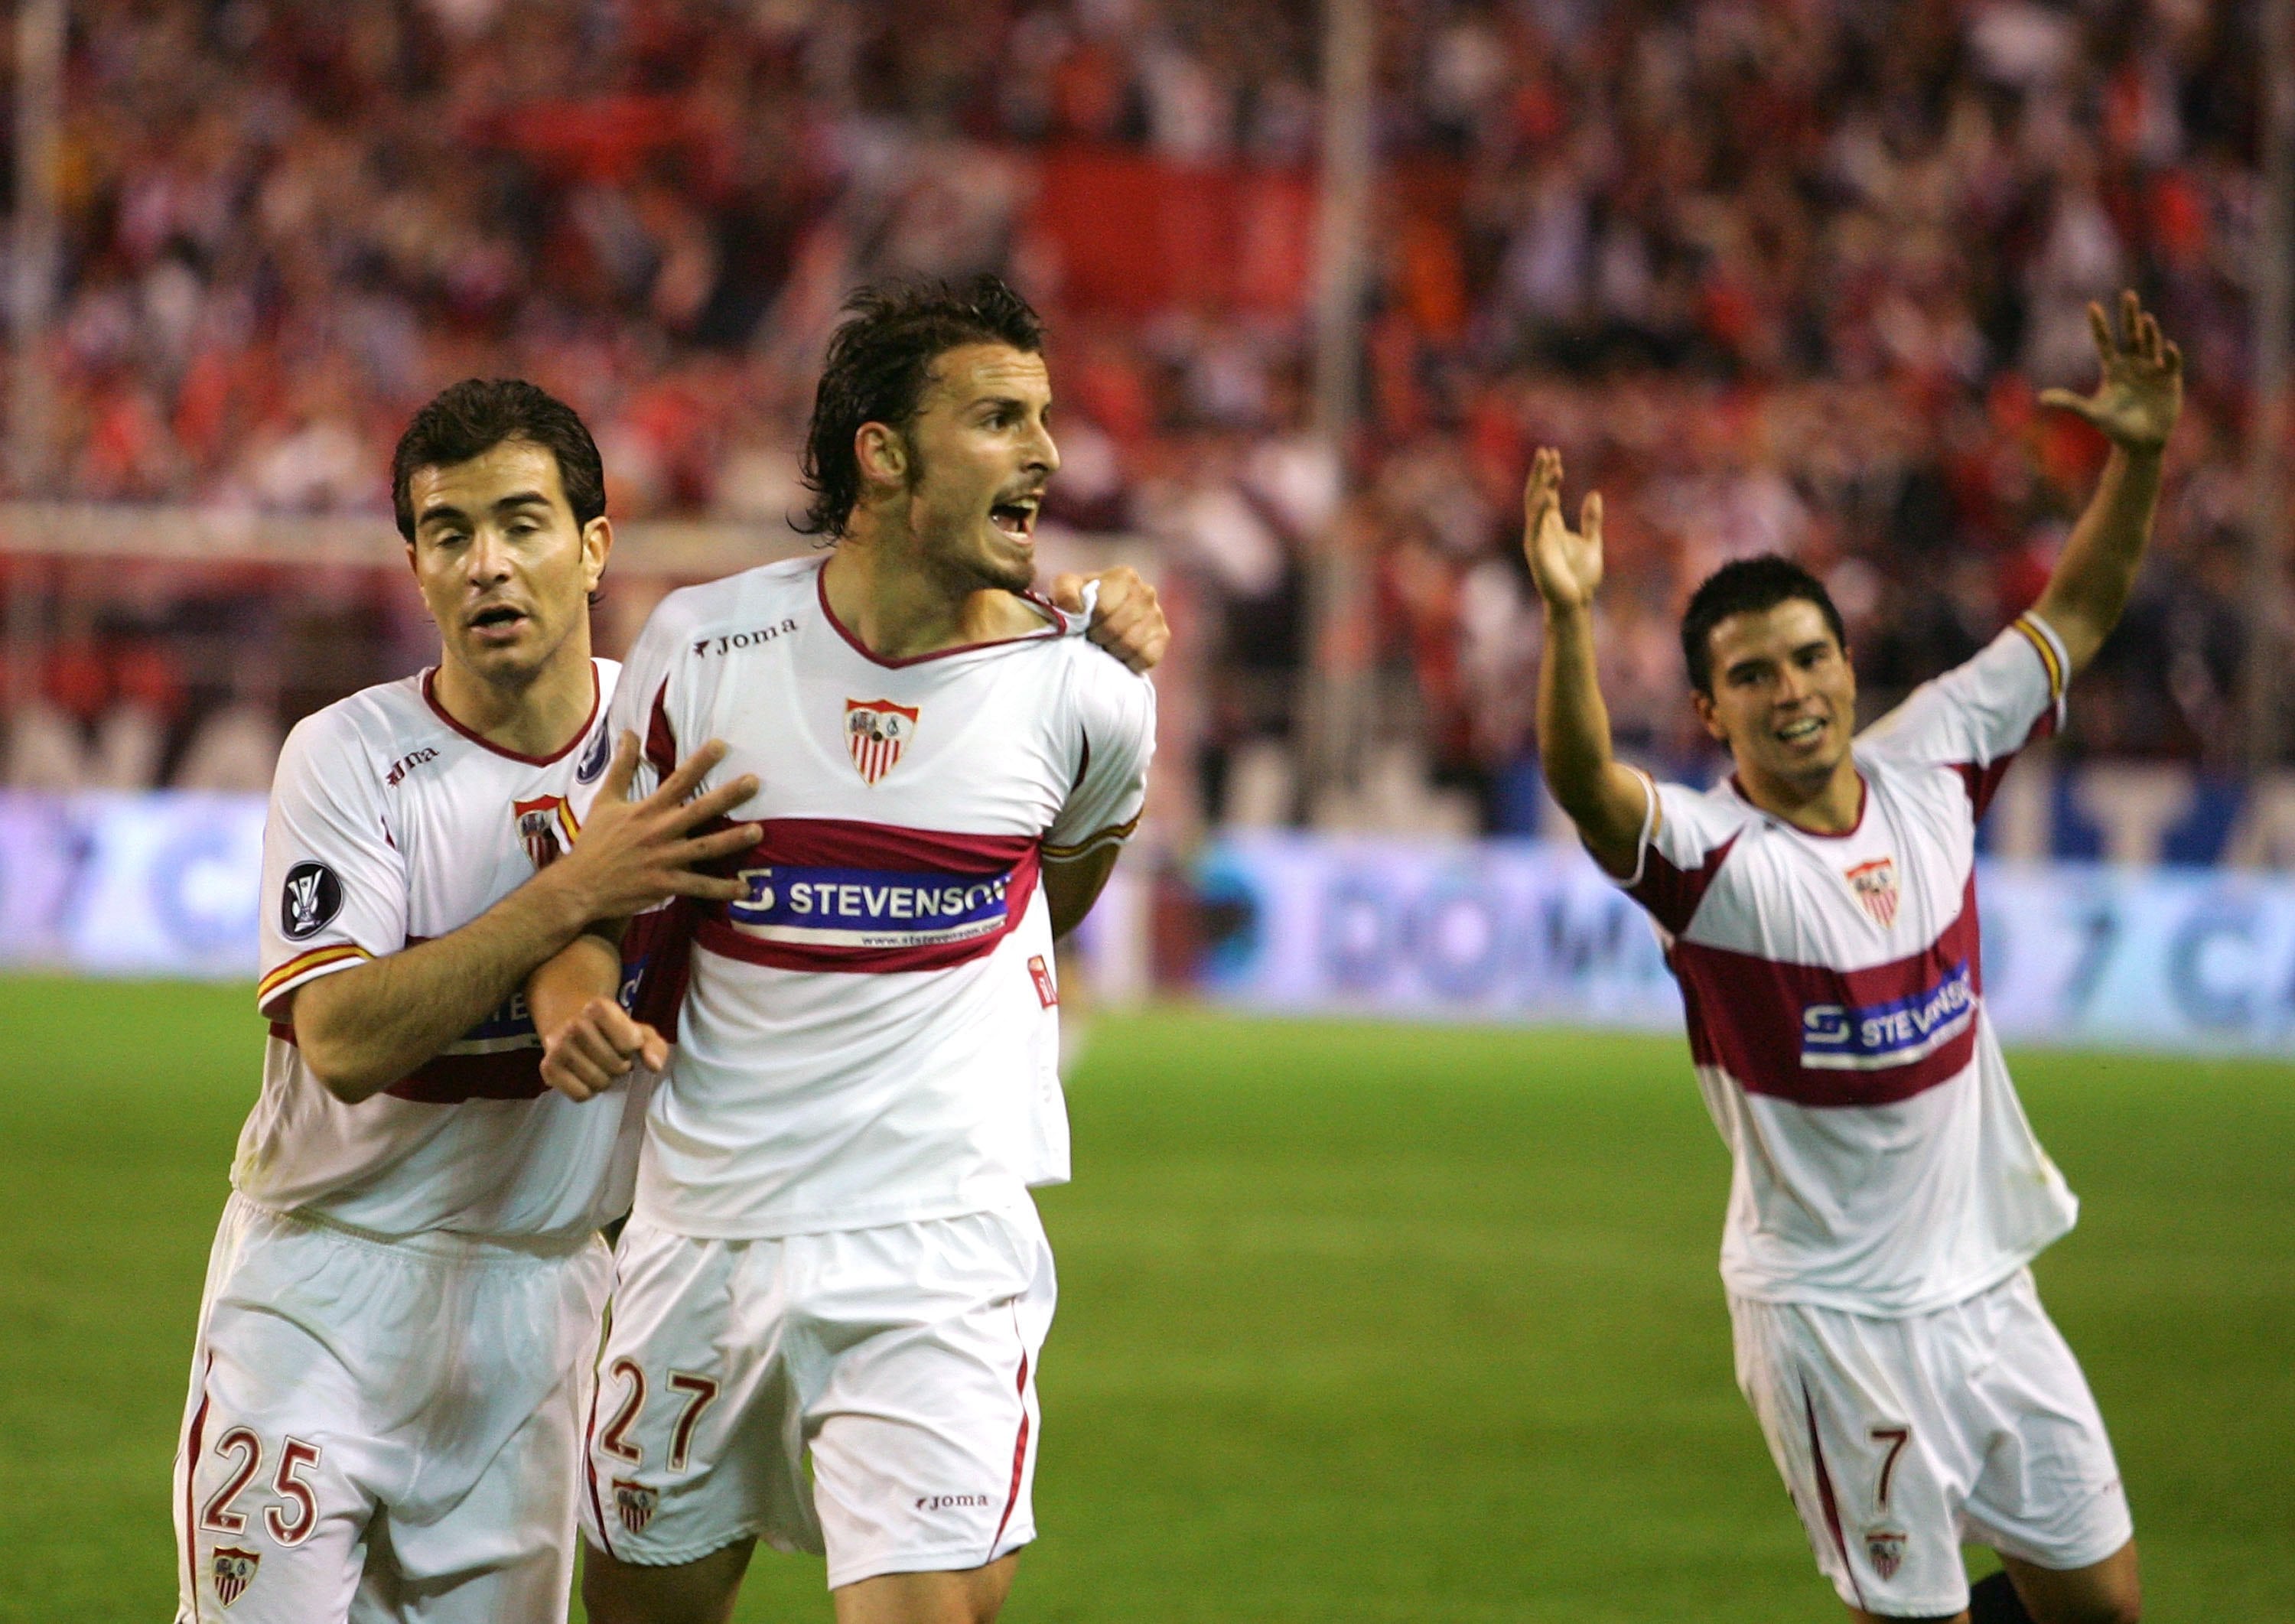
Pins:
x,y
1777,276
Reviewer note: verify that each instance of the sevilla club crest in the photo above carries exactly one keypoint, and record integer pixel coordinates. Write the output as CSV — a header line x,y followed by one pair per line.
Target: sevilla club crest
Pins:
x,y
1875,886
546,828
234,1570
876,730
1886,1549
634,1503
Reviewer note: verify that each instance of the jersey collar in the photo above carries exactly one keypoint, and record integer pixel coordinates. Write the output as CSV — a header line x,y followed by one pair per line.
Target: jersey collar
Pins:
x,y
430,697
1864,800
1057,627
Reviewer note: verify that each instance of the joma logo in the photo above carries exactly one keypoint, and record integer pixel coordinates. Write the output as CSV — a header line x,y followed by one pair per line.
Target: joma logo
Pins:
x,y
741,639
404,764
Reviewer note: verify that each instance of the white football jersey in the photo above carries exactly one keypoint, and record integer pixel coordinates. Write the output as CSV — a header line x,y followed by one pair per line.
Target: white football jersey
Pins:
x,y
391,825
869,1037
1835,990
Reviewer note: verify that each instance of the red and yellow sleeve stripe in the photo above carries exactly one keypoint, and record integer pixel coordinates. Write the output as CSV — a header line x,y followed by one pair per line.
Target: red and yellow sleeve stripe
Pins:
x,y
302,964
1115,834
2043,639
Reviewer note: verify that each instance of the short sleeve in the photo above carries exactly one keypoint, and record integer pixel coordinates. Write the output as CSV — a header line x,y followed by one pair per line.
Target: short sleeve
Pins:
x,y
1978,715
1114,712
642,703
1685,837
334,885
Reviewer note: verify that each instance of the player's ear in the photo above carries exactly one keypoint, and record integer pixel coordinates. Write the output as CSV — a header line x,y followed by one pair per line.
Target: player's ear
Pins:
x,y
882,454
1702,702
597,547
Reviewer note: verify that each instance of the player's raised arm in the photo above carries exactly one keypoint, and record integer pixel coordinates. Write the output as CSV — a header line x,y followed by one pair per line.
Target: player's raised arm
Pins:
x,y
2134,406
363,1029
1608,801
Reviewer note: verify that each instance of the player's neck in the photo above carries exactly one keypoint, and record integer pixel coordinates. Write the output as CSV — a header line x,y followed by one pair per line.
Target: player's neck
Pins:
x,y
1833,804
538,714
900,609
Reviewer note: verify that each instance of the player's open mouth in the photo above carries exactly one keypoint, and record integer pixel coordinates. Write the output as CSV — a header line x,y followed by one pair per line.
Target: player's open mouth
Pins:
x,y
1802,730
1017,518
502,621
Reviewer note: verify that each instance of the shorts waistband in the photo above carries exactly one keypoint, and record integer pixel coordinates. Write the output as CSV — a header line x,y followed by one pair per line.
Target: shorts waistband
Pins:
x,y
441,1243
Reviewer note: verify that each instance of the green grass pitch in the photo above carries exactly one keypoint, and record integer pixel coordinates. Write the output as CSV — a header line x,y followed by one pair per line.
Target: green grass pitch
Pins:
x,y
1357,1323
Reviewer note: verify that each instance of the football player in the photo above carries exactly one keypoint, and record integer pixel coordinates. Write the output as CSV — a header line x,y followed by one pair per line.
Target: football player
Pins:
x,y
833,1289
1818,910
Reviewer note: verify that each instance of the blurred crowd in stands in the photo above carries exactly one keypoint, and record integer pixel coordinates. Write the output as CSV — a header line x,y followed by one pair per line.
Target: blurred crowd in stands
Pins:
x,y
1774,273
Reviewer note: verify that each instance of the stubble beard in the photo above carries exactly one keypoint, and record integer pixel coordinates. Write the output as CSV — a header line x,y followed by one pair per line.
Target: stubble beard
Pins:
x,y
953,551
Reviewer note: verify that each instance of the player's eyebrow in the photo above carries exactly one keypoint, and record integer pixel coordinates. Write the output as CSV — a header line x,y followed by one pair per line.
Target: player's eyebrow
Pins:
x,y
446,512
1006,402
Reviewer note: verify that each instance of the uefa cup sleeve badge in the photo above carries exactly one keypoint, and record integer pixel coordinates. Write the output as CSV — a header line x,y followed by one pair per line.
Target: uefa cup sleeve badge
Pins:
x,y
309,900
545,829
876,730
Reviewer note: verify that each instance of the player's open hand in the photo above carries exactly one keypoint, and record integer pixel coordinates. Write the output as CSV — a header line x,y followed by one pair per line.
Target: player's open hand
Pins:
x,y
595,1050
2135,404
1126,620
1566,566
632,855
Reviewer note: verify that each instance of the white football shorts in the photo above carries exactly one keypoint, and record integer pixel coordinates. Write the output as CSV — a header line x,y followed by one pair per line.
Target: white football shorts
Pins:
x,y
901,1359
383,1429
1901,1439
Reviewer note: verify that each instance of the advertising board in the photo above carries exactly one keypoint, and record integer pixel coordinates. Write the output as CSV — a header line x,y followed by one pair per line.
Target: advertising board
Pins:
x,y
1308,924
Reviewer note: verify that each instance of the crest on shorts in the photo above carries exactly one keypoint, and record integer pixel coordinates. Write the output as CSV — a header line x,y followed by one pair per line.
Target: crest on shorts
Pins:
x,y
876,730
234,1570
1875,886
545,829
1885,1549
634,1503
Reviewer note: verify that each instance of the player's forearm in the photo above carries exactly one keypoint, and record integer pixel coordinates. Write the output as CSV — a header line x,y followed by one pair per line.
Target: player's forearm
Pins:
x,y
363,1029
1603,798
587,967
2090,587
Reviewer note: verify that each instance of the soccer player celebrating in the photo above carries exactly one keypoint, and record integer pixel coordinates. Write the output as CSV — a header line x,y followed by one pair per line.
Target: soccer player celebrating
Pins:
x,y
834,1257
385,1408
385,1389
1818,910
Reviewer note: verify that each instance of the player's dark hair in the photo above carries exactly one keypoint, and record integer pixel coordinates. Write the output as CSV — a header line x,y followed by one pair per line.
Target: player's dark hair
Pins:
x,y
1746,586
469,419
878,364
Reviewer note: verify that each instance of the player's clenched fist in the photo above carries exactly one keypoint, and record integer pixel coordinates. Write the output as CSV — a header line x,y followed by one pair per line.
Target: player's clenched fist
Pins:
x,y
1126,619
595,1050
632,855
1567,568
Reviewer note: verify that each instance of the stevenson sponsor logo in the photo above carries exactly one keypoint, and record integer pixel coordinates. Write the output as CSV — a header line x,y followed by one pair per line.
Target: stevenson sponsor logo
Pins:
x,y
1875,1037
841,907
